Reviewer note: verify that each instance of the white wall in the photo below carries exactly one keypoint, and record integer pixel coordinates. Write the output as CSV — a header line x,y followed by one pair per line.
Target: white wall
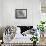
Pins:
x,y
33,12
0,12
36,12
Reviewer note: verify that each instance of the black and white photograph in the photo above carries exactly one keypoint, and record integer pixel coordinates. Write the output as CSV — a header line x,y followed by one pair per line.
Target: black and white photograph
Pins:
x,y
21,13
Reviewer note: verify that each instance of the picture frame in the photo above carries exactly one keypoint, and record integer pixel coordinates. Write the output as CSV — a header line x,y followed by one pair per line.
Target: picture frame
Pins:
x,y
21,13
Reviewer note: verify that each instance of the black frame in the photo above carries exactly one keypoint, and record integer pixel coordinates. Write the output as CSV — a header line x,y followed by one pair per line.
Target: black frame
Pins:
x,y
20,17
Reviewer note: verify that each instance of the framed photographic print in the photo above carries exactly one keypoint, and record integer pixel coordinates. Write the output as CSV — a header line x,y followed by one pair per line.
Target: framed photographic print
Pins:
x,y
21,13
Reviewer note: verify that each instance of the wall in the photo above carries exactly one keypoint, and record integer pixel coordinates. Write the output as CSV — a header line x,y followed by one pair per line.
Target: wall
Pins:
x,y
36,12
0,12
33,12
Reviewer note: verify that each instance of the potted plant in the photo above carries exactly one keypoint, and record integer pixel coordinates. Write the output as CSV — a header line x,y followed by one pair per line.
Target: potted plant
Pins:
x,y
41,27
34,39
